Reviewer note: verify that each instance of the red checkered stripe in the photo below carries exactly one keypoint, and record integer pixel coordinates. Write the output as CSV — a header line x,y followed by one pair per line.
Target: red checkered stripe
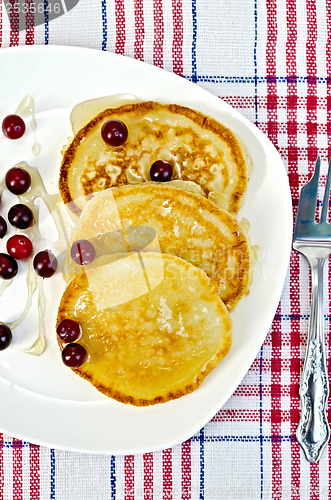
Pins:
x,y
291,70
275,361
29,32
177,44
120,26
148,476
17,469
312,147
14,36
139,30
34,461
129,477
158,34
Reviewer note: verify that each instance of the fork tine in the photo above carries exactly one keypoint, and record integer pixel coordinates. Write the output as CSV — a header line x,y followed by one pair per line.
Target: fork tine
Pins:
x,y
326,197
308,196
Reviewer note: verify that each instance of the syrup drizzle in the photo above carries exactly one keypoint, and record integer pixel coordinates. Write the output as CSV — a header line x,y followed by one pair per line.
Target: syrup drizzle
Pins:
x,y
53,203
5,284
39,345
26,108
31,284
83,112
2,185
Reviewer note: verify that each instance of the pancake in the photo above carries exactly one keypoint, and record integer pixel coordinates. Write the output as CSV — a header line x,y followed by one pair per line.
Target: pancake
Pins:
x,y
157,346
154,217
200,149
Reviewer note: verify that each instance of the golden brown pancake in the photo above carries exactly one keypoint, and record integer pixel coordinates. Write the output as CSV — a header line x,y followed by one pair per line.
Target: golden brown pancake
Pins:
x,y
200,149
154,217
158,345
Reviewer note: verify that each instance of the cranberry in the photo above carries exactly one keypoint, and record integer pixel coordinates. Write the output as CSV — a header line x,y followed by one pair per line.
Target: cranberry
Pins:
x,y
8,266
5,336
18,180
161,171
74,355
3,227
114,132
19,246
13,127
20,216
68,330
45,264
82,252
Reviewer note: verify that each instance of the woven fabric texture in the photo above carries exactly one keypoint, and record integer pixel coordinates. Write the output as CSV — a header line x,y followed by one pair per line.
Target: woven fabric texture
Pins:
x,y
271,60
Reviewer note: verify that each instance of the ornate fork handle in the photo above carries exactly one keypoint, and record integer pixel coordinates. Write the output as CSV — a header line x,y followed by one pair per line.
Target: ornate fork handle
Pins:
x,y
313,431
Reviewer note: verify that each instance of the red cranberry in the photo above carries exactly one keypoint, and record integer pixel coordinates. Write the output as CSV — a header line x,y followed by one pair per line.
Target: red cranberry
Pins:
x,y
13,127
19,246
5,336
74,355
161,171
45,264
20,216
82,252
8,266
114,132
68,330
3,227
18,180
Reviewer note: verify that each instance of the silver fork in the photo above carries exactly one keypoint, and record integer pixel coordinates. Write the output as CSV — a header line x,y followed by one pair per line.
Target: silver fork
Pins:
x,y
313,240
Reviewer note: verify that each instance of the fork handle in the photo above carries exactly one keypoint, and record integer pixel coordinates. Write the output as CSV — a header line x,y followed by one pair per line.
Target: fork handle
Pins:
x,y
313,431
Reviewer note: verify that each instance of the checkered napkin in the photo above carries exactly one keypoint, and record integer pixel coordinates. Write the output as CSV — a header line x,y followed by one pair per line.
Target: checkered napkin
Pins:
x,y
271,60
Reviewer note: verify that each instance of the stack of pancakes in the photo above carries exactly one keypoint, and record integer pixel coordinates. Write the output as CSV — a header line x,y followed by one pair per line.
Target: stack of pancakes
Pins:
x,y
171,258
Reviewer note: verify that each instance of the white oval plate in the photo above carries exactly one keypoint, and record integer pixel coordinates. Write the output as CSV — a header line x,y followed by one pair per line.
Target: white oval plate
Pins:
x,y
44,402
